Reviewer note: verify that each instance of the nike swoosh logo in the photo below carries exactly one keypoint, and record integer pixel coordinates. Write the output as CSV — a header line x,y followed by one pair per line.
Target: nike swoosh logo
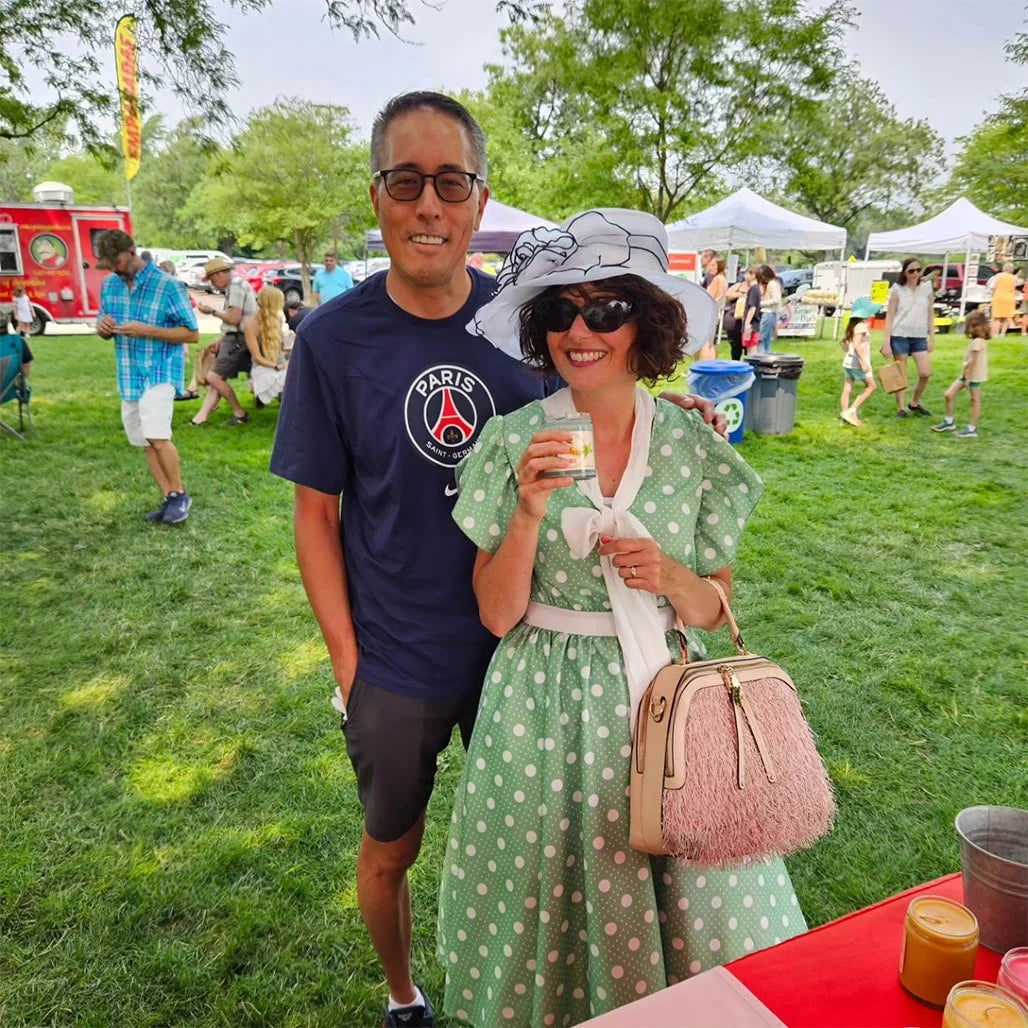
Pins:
x,y
450,490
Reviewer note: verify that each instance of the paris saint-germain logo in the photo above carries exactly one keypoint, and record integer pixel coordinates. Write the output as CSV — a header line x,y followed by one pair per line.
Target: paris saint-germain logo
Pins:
x,y
445,408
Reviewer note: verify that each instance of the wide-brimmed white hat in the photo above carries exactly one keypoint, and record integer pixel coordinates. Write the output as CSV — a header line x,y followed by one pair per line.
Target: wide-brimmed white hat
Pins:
x,y
589,247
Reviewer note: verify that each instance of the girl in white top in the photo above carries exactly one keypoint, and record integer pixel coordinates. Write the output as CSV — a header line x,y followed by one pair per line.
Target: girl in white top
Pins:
x,y
22,312
910,331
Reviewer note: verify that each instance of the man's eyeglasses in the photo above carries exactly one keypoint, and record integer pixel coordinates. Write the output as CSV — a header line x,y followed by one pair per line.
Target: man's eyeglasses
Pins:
x,y
406,185
601,316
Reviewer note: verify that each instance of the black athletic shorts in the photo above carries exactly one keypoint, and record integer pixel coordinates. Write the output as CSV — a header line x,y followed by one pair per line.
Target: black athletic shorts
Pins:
x,y
393,742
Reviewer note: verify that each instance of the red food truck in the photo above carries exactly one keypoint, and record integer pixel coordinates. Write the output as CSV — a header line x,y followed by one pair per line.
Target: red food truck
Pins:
x,y
50,248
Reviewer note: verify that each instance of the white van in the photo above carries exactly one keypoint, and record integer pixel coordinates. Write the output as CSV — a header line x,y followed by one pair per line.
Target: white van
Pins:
x,y
858,276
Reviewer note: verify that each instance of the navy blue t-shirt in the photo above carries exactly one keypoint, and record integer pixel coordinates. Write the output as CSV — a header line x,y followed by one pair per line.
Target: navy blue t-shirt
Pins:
x,y
381,406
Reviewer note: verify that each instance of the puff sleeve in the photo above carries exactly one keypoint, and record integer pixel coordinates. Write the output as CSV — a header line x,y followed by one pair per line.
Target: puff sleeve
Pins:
x,y
728,492
488,488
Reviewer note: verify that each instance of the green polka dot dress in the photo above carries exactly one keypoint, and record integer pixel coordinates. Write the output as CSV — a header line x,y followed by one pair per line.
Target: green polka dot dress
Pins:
x,y
546,915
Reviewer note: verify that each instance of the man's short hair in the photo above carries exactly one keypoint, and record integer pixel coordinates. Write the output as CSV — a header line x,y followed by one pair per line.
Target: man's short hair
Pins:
x,y
110,245
332,253
293,305
427,101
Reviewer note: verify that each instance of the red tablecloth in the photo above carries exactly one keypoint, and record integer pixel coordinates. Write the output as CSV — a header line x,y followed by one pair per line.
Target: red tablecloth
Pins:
x,y
846,973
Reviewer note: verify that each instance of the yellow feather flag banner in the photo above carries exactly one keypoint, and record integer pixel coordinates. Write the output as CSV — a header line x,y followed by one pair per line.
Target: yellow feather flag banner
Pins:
x,y
128,87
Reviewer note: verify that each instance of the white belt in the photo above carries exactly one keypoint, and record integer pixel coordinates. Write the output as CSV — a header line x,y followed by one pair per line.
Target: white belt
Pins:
x,y
584,622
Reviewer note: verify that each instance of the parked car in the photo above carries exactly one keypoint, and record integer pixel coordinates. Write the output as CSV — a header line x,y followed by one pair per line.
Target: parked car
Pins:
x,y
795,278
361,269
287,278
952,288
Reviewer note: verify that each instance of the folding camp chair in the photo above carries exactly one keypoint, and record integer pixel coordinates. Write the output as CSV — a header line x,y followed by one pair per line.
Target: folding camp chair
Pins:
x,y
13,385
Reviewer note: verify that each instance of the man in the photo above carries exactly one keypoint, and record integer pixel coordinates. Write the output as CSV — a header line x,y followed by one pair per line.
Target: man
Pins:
x,y
233,356
150,319
331,281
705,258
295,313
386,392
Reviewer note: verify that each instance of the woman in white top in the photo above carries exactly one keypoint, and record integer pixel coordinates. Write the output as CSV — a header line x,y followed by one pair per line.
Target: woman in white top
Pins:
x,y
771,300
910,331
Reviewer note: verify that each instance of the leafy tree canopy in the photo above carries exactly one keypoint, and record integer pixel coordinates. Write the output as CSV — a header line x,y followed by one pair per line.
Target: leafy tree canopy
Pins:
x,y
182,46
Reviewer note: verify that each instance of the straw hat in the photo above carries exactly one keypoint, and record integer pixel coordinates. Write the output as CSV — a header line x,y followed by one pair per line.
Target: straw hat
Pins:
x,y
589,247
214,265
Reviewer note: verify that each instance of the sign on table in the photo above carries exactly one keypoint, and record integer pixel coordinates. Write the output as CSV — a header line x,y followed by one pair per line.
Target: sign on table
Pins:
x,y
879,291
797,319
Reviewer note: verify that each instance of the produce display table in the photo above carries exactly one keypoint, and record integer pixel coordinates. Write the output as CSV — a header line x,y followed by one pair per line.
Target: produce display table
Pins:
x,y
844,974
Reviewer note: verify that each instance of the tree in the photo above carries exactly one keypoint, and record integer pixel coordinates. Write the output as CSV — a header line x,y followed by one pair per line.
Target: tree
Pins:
x,y
657,98
96,179
163,186
291,172
991,168
851,153
23,163
181,43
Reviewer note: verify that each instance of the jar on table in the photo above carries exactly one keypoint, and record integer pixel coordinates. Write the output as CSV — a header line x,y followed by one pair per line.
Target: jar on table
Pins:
x,y
940,946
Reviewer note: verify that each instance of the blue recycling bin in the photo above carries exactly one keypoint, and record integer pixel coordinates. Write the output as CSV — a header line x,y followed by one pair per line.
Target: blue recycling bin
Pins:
x,y
727,383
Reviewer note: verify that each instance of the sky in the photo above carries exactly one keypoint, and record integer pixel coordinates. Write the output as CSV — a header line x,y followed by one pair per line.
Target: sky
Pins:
x,y
937,59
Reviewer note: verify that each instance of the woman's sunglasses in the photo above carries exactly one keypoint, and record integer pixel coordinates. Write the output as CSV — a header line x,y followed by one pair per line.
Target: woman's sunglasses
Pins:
x,y
600,316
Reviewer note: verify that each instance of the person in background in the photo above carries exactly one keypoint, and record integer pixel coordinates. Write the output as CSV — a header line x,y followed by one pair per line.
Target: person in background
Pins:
x,y
910,331
265,340
717,287
146,257
705,258
1024,303
856,365
973,373
148,315
770,302
751,308
1004,300
295,313
331,281
735,309
233,356
477,260
22,312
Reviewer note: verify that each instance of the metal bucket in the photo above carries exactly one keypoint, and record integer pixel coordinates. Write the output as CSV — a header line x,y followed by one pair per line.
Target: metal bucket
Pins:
x,y
994,859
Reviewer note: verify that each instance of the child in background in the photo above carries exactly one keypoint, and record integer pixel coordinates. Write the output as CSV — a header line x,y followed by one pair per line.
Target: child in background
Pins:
x,y
973,373
22,312
856,365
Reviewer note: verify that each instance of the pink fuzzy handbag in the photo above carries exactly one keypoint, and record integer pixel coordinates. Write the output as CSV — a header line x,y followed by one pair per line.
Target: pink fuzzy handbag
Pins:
x,y
724,766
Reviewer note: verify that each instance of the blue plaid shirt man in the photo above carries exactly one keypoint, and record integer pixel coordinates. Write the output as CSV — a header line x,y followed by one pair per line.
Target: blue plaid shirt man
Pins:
x,y
155,299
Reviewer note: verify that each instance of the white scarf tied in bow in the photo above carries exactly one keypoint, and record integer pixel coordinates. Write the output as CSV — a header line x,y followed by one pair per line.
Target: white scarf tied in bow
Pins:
x,y
639,626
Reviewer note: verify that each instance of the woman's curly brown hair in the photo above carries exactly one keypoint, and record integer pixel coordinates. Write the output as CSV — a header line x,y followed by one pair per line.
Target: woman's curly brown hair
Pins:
x,y
660,335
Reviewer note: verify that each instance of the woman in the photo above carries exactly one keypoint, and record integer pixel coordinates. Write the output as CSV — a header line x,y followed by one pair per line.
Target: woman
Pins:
x,y
910,331
547,915
1004,300
751,315
717,287
735,307
264,334
770,302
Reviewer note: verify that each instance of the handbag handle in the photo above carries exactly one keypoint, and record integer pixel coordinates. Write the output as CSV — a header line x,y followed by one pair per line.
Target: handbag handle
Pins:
x,y
733,627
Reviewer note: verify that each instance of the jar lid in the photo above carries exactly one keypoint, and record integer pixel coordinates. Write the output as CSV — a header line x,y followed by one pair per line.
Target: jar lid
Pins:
x,y
943,918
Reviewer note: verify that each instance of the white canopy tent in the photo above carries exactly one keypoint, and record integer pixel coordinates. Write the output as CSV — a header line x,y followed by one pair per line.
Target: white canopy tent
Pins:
x,y
745,220
960,228
501,225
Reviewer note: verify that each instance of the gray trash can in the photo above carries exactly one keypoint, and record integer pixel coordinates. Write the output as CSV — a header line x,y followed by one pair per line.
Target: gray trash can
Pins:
x,y
772,402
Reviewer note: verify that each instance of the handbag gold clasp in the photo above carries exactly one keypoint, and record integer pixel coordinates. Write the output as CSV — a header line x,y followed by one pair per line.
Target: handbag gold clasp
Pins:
x,y
732,683
657,708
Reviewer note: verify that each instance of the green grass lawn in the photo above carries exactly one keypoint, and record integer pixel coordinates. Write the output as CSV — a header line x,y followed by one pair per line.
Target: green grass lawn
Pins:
x,y
178,819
